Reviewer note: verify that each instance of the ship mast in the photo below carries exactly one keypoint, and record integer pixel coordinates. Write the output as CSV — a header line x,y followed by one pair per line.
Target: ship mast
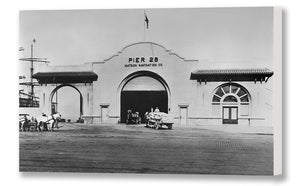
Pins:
x,y
32,60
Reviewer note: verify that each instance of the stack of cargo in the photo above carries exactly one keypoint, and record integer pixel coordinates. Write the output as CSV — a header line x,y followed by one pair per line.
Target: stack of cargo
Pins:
x,y
158,119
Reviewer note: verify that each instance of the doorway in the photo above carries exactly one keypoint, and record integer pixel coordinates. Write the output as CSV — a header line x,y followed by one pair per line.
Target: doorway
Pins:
x,y
230,115
141,94
104,113
183,115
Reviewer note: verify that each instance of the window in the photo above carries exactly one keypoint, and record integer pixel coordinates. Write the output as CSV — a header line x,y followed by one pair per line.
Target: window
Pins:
x,y
216,98
241,92
231,93
244,98
226,89
219,92
234,89
230,99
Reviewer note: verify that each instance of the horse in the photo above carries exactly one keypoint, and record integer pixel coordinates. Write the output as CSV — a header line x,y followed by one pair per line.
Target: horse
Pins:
x,y
45,120
24,122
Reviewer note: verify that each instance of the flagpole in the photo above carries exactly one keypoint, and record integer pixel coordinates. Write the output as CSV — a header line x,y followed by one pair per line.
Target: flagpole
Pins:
x,y
144,25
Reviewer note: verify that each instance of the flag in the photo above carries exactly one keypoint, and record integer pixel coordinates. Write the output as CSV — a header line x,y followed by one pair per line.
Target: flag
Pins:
x,y
34,41
146,20
21,49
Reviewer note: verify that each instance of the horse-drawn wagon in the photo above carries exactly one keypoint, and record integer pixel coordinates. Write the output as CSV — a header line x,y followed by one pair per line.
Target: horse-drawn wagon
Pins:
x,y
133,117
48,122
41,123
26,122
158,119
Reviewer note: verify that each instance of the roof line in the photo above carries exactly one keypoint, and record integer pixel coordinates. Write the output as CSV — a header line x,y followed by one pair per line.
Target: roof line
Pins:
x,y
148,42
238,70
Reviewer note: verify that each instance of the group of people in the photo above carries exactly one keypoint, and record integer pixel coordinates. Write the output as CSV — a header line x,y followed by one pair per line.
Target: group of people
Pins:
x,y
134,117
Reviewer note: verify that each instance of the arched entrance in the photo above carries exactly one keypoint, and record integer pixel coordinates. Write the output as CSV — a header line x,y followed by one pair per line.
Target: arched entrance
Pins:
x,y
54,103
141,92
234,101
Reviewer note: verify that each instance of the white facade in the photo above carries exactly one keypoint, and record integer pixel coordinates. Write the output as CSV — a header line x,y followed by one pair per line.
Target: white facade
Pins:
x,y
190,101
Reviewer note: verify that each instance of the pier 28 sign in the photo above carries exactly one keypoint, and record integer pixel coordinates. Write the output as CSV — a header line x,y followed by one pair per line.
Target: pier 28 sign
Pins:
x,y
143,62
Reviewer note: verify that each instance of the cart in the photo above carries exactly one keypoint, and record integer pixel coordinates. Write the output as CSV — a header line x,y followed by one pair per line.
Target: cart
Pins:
x,y
157,120
25,123
133,117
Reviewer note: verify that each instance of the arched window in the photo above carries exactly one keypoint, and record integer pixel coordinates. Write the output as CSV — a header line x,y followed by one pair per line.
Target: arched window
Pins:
x,y
230,99
230,93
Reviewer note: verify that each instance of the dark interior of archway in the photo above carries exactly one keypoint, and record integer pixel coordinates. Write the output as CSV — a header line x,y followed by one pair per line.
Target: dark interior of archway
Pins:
x,y
142,102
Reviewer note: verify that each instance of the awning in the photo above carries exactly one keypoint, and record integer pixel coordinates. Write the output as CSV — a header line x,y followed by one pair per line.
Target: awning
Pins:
x,y
232,75
65,77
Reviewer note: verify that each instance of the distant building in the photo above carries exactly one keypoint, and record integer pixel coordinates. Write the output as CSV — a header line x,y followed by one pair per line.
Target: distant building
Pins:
x,y
146,75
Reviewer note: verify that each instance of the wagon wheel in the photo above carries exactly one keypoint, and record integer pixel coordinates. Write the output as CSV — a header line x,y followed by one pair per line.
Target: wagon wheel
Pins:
x,y
156,126
45,127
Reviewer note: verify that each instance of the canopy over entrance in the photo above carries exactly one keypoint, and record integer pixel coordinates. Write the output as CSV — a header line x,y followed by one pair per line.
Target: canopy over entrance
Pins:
x,y
65,77
232,75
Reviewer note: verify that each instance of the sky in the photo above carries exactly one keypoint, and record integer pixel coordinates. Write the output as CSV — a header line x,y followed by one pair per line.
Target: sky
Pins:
x,y
217,37
68,103
214,36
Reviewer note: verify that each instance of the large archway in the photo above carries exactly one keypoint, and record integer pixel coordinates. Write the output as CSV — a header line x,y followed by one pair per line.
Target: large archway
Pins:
x,y
141,92
54,103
